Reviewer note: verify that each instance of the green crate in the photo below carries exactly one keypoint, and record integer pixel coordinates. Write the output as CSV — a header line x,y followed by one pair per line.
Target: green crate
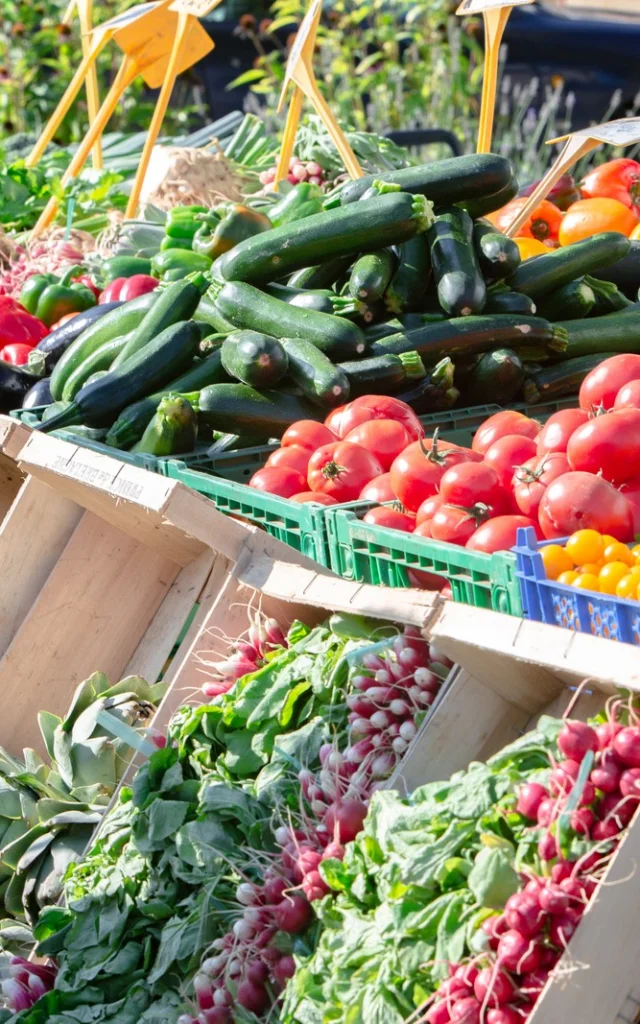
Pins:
x,y
367,553
300,526
238,465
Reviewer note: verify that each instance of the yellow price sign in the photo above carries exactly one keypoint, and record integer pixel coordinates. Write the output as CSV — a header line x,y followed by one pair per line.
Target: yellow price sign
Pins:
x,y
625,131
495,14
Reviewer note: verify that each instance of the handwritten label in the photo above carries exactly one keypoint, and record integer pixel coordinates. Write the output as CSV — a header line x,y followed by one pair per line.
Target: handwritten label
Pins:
x,y
623,132
197,8
305,30
479,6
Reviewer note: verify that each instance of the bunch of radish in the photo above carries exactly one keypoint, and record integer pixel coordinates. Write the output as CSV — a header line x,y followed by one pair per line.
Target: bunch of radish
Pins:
x,y
26,983
390,691
248,655
299,170
529,937
42,258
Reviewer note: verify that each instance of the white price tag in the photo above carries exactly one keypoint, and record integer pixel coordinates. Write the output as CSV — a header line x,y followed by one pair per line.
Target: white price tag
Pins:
x,y
623,132
478,6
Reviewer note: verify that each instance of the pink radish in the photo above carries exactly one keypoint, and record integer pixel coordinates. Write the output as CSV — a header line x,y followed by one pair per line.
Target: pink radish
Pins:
x,y
438,1014
252,997
494,986
466,1011
284,969
577,738
347,818
293,914
517,953
530,797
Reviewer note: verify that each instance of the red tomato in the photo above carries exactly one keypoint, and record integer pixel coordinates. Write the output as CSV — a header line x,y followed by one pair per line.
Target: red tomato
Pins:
x,y
453,525
508,452
502,424
555,434
628,397
600,387
424,529
380,407
429,508
578,501
306,496
532,479
307,434
416,473
608,444
334,419
379,490
295,457
499,534
383,515
631,491
17,353
471,482
280,480
616,179
384,438
342,469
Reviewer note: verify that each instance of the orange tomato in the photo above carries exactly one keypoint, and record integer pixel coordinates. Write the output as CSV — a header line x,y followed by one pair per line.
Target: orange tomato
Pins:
x,y
530,247
590,216
555,560
543,223
63,320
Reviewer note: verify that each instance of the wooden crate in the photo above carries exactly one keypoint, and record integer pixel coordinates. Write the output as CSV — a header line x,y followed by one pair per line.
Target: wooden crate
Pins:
x,y
509,672
12,437
101,565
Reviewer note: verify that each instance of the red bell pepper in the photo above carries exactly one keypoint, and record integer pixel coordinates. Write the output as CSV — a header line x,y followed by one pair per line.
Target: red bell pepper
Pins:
x,y
112,292
17,326
124,288
86,280
17,354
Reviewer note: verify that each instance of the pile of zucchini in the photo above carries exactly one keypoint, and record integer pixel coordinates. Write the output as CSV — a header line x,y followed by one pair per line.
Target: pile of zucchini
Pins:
x,y
398,287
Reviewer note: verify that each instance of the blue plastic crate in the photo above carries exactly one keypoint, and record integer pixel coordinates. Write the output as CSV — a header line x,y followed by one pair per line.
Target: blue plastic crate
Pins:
x,y
584,611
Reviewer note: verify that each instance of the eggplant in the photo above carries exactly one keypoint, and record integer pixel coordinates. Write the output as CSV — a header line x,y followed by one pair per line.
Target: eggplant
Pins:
x,y
15,381
39,394
48,351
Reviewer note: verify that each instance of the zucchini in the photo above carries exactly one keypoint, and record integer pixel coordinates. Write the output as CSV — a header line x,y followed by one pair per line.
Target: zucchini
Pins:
x,y
607,297
322,276
460,285
208,313
386,220
543,274
410,281
382,375
467,335
322,300
618,332
625,273
173,429
571,301
498,255
47,352
374,332
503,300
371,274
131,422
115,324
254,358
565,378
498,376
250,309
442,181
97,405
480,206
243,410
177,302
101,359
315,374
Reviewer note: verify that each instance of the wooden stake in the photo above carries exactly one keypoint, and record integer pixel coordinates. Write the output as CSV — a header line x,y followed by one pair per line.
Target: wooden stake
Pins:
x,y
495,22
289,135
85,17
575,147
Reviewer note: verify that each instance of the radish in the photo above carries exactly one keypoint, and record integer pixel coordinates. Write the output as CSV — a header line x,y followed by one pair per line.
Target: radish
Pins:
x,y
523,914
253,997
494,986
467,973
427,680
246,894
357,752
604,830
627,746
372,662
548,811
563,777
466,1011
293,914
399,746
517,953
383,677
553,899
346,818
630,783
274,889
314,886
408,731
619,808
606,733
582,821
243,931
530,797
562,928
563,869
309,860
577,738
606,778
504,1015
454,989
440,658
204,991
438,1014
273,633
380,720
361,727
284,969
382,766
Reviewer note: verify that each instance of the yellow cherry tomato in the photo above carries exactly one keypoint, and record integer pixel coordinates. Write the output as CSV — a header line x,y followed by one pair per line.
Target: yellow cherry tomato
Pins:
x,y
555,560
611,574
586,581
530,247
592,568
628,586
567,577
619,552
585,546
608,539
635,551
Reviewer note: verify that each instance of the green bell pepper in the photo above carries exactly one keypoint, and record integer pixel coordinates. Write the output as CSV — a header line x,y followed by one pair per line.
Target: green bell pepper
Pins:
x,y
123,266
303,201
50,298
183,221
175,243
216,237
174,264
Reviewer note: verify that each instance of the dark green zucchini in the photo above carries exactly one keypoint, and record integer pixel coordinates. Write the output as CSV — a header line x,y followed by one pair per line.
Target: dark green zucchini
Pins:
x,y
480,206
208,313
371,275
498,377
564,378
131,422
97,405
251,309
618,332
382,330
324,275
48,352
607,297
625,273
541,275
255,359
460,285
172,430
410,281
443,181
322,300
314,373
467,335
240,409
387,220
101,359
382,375
503,300
177,302
571,301
498,255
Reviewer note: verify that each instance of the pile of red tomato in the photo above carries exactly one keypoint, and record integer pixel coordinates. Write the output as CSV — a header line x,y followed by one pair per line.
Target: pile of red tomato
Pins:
x,y
581,470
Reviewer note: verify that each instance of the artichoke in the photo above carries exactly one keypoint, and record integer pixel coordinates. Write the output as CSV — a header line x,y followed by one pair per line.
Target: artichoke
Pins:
x,y
48,812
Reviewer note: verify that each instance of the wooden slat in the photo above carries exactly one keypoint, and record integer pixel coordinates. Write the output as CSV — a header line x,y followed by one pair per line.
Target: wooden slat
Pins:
x,y
11,480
